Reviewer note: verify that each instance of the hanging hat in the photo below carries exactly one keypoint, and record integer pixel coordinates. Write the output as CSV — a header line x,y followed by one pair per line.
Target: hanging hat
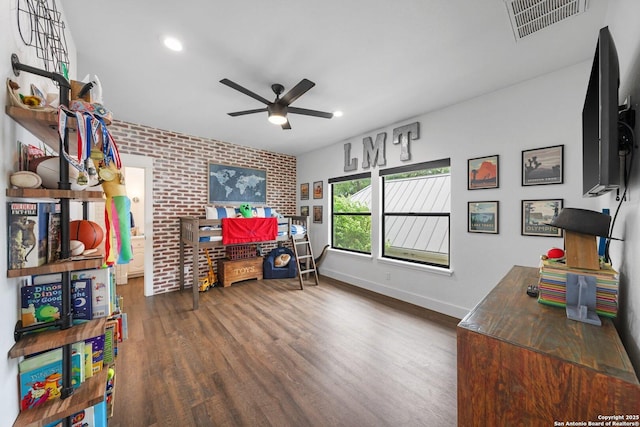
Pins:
x,y
583,221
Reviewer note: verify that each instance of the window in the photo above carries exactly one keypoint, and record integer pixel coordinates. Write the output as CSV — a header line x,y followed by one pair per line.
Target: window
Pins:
x,y
416,207
351,213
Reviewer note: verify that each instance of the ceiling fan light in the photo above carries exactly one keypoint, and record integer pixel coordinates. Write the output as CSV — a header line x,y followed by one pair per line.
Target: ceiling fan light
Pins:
x,y
277,119
277,114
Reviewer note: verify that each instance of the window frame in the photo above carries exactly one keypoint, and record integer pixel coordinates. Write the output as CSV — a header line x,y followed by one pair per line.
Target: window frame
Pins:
x,y
338,180
384,215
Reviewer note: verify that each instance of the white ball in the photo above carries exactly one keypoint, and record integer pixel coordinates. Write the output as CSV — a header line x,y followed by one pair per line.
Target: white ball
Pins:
x,y
49,171
26,179
76,247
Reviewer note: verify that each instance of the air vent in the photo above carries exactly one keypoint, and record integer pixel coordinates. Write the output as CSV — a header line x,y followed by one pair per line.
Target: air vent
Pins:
x,y
530,16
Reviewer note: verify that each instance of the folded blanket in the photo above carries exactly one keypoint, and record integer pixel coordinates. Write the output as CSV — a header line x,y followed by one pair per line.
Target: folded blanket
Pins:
x,y
247,230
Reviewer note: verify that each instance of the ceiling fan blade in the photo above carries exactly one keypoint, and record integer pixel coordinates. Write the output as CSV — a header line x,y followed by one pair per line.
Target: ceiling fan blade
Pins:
x,y
296,92
246,91
286,125
242,113
313,113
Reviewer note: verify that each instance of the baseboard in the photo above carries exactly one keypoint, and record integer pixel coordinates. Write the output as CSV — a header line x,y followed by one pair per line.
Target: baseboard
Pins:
x,y
419,300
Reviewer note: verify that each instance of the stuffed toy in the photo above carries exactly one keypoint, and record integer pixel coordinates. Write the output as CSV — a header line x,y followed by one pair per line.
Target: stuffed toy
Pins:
x,y
246,211
282,260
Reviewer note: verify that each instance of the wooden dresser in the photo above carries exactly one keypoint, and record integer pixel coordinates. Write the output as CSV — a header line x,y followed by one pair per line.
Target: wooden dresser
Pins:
x,y
521,363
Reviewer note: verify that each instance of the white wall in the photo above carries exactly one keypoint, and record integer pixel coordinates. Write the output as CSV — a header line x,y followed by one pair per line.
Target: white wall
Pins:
x,y
541,112
538,113
10,42
623,23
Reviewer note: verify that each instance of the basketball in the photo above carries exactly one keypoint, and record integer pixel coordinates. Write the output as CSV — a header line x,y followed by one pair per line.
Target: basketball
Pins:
x,y
88,232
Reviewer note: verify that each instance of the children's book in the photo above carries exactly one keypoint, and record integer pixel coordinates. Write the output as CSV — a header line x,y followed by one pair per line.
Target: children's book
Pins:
x,y
88,360
97,352
110,342
53,235
81,295
41,303
84,418
100,289
41,377
44,212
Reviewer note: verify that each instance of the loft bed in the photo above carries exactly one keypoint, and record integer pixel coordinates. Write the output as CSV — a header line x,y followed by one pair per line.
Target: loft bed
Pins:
x,y
199,233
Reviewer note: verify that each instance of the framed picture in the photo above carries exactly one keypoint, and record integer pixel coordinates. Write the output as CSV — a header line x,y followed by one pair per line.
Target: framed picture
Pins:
x,y
317,190
543,166
317,214
236,185
536,216
482,172
483,217
304,210
304,191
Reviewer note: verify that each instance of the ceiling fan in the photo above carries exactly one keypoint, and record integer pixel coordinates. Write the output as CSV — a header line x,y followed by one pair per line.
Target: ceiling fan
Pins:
x,y
279,108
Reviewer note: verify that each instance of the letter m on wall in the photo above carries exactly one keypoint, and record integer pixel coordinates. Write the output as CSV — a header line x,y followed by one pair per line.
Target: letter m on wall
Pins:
x,y
373,154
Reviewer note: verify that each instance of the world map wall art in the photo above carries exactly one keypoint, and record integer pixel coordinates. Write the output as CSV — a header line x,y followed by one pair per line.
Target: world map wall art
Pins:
x,y
236,185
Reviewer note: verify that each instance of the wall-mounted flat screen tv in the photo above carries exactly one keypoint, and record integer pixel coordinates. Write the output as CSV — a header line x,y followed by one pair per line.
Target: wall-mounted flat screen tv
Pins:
x,y
600,159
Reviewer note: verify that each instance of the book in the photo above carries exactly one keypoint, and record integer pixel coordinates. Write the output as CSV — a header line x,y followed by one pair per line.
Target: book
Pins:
x,y
88,360
81,295
40,377
24,235
97,352
53,235
110,342
44,211
41,303
83,418
44,298
101,294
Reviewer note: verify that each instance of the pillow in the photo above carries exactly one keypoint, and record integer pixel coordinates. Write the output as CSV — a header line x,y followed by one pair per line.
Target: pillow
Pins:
x,y
215,212
218,212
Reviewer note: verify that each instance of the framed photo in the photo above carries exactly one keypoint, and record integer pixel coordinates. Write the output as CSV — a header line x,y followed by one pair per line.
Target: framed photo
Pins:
x,y
542,166
317,190
537,214
236,185
304,210
482,172
304,191
317,214
483,217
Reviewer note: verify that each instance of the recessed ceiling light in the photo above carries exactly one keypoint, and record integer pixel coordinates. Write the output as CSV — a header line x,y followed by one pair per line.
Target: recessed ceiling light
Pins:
x,y
337,113
173,44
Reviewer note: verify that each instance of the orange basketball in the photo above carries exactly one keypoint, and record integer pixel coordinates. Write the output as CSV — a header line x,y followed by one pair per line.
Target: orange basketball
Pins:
x,y
88,232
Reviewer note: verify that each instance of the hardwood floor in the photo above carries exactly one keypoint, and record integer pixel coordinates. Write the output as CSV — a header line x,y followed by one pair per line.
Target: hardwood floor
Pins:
x,y
265,353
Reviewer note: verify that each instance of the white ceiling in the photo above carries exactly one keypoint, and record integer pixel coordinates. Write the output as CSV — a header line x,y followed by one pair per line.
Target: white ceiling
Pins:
x,y
379,62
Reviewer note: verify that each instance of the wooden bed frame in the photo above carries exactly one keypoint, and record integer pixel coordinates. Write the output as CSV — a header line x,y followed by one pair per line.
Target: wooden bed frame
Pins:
x,y
191,231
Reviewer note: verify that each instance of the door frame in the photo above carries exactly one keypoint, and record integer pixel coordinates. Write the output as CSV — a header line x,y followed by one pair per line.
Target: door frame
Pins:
x,y
146,163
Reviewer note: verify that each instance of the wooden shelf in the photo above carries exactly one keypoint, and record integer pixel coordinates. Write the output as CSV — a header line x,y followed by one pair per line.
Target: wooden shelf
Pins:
x,y
43,125
44,193
59,267
41,341
91,392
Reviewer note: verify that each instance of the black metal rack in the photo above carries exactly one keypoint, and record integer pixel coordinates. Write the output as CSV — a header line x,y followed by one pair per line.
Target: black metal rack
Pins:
x,y
66,318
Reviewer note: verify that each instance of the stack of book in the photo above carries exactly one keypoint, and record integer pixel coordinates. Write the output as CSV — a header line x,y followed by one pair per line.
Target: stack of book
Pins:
x,y
553,280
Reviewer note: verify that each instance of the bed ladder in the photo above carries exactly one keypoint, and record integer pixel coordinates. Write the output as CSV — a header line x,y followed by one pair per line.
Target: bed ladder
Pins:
x,y
304,258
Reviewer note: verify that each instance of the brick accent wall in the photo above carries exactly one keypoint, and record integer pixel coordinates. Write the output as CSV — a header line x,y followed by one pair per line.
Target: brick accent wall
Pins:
x,y
180,164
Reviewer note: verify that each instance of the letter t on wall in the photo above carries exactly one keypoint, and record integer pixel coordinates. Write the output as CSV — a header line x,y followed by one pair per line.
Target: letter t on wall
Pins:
x,y
403,135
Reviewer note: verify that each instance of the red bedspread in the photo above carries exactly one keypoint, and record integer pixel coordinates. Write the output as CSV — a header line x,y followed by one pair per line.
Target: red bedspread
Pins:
x,y
248,230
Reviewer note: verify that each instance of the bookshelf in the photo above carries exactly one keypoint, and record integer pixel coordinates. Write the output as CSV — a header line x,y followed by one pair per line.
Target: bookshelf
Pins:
x,y
43,125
